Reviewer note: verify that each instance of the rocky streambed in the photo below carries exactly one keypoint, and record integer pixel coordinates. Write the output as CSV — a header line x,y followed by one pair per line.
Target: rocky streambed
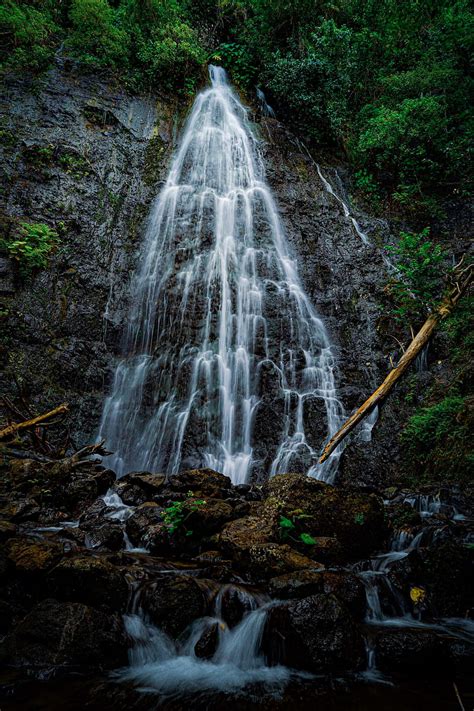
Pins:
x,y
153,593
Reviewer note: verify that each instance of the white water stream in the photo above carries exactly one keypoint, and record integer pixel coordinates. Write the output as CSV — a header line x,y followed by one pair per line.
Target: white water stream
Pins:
x,y
218,319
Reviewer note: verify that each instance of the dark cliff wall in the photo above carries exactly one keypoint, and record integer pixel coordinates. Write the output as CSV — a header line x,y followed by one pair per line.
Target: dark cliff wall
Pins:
x,y
107,153
86,158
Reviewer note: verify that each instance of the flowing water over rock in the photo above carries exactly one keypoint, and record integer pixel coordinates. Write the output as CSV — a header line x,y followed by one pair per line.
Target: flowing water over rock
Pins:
x,y
221,334
159,664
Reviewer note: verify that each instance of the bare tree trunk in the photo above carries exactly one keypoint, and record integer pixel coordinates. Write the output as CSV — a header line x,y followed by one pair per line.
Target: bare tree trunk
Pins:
x,y
35,421
417,345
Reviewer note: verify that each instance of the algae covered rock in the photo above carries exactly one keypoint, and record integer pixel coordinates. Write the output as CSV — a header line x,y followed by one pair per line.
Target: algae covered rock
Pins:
x,y
316,633
66,634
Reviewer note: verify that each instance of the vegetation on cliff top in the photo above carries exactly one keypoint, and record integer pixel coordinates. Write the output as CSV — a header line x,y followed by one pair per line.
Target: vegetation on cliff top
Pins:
x,y
386,82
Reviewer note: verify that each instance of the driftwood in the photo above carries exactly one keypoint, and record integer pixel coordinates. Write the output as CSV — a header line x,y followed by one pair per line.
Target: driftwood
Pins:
x,y
463,280
38,421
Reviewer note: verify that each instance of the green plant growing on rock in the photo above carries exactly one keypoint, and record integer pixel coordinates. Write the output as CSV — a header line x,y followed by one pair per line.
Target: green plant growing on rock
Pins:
x,y
31,246
437,438
178,512
421,284
287,528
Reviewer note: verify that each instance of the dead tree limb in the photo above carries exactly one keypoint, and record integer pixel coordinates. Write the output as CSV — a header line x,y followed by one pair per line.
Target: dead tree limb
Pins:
x,y
462,283
34,422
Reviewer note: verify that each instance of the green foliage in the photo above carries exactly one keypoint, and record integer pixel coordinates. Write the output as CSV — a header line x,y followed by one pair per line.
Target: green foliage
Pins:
x,y
31,246
28,36
238,61
359,518
419,265
178,512
437,437
288,529
388,82
96,39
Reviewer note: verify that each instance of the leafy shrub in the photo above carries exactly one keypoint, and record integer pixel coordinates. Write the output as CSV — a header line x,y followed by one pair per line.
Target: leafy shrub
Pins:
x,y
171,56
32,246
178,512
421,284
96,38
28,36
439,435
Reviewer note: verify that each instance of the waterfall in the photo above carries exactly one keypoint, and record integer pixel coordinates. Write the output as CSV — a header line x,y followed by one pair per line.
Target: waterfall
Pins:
x,y
159,664
221,337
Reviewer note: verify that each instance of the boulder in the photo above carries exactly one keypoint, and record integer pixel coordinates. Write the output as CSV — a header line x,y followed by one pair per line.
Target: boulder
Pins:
x,y
32,557
206,645
316,634
356,519
7,530
301,583
412,651
348,589
151,484
202,482
66,634
233,602
237,537
90,580
447,572
145,516
173,601
272,559
207,518
108,536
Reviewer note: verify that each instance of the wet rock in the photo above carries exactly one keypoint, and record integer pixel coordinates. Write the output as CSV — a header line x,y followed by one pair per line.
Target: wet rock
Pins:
x,y
94,515
32,557
150,483
272,559
90,580
233,602
355,519
411,651
7,530
173,602
104,479
207,518
301,583
328,550
131,494
58,634
206,645
144,517
108,536
316,633
348,589
79,492
238,536
447,571
202,482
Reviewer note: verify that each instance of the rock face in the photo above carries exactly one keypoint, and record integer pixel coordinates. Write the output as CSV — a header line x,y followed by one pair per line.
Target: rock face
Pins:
x,y
56,634
85,158
316,633
173,602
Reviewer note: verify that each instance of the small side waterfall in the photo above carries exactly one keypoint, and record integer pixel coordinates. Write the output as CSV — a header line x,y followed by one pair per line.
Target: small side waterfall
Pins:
x,y
223,350
159,664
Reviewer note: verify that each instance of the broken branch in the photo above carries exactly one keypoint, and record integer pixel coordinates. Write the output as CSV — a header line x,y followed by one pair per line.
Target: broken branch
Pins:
x,y
34,422
418,343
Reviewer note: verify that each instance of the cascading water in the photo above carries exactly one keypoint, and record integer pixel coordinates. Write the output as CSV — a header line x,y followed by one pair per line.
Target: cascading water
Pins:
x,y
219,321
159,664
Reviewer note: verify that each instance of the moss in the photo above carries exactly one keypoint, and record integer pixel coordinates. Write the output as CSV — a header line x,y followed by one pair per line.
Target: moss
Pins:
x,y
437,439
154,154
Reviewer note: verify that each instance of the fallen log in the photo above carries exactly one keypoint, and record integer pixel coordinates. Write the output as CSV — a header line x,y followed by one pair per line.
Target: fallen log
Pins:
x,y
33,422
416,346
